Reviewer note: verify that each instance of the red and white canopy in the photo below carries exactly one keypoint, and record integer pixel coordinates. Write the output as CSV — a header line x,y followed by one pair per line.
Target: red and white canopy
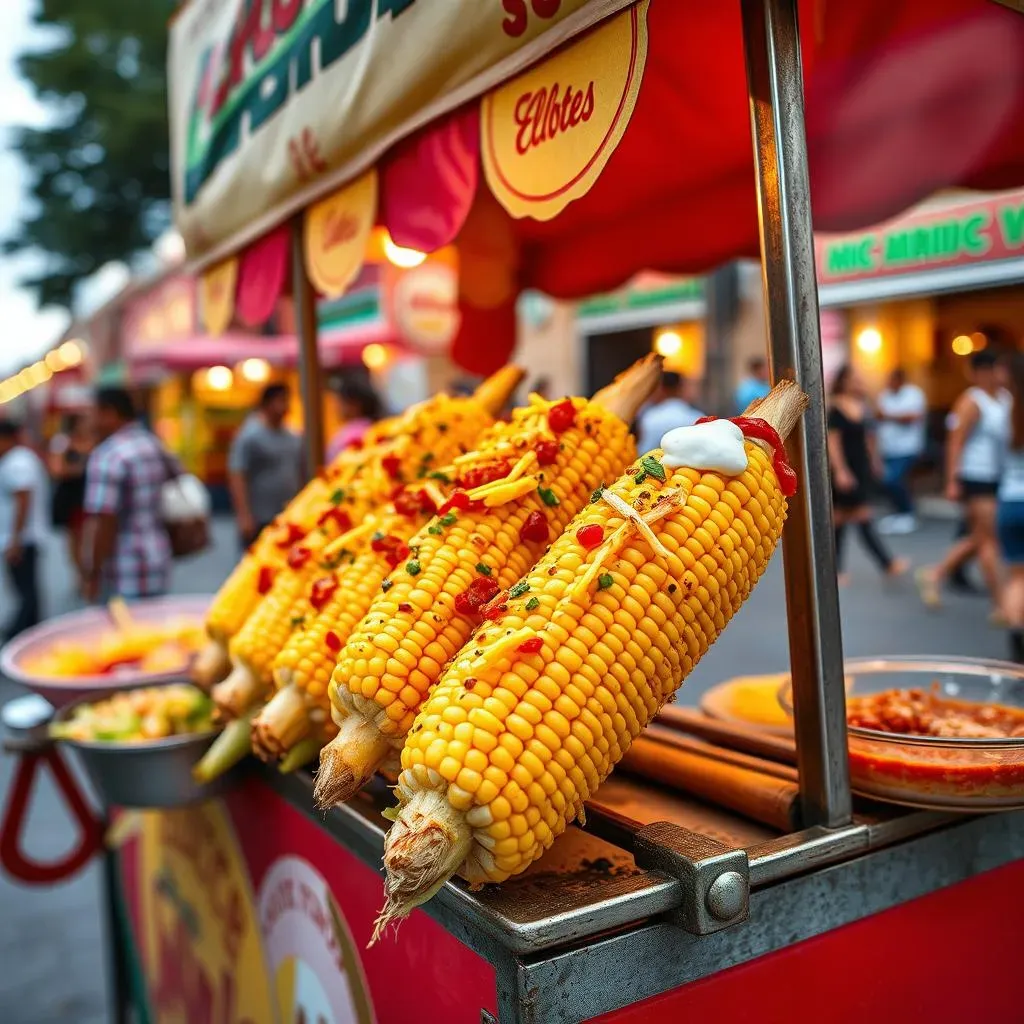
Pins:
x,y
563,145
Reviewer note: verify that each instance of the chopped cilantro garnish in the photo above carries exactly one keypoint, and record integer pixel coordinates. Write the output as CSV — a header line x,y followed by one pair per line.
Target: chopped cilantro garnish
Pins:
x,y
641,476
532,603
596,496
654,467
548,496
377,536
297,620
484,570
434,530
604,581
448,518
412,567
438,475
338,497
519,589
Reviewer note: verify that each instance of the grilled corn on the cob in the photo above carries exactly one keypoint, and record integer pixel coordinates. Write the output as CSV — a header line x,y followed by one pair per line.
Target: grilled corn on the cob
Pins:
x,y
436,431
539,707
303,667
515,493
399,449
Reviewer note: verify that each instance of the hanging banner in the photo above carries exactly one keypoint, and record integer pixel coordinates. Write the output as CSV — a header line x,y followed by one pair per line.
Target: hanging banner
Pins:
x,y
217,295
275,102
262,273
547,135
337,230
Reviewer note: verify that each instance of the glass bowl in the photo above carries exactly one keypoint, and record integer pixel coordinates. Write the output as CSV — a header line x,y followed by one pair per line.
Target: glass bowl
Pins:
x,y
938,773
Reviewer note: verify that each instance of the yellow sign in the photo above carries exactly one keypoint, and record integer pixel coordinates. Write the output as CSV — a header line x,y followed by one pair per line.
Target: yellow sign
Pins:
x,y
547,135
217,294
337,233
203,951
317,973
425,306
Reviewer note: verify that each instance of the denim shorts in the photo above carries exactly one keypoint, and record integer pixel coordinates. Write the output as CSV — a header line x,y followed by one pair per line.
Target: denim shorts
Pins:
x,y
1010,529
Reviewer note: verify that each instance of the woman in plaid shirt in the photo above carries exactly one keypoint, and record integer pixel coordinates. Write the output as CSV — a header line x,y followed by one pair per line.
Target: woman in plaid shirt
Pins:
x,y
128,553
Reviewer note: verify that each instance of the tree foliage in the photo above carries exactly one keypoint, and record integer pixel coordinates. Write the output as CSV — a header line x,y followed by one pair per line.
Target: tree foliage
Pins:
x,y
99,169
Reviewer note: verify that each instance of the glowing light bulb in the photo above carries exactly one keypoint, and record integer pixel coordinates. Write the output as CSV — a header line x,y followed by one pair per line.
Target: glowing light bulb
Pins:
x,y
219,378
962,345
400,256
869,340
668,344
375,357
256,371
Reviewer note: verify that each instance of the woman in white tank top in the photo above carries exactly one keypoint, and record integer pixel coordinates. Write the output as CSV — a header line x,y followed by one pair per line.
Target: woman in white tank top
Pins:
x,y
1010,515
979,431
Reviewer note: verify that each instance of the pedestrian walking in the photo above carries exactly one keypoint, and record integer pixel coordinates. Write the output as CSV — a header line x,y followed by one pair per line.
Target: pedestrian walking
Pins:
x,y
126,552
856,468
666,410
23,527
69,452
359,408
975,450
265,464
901,409
1010,516
756,384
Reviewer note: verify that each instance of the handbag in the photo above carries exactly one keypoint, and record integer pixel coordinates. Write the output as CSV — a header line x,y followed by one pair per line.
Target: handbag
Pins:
x,y
184,510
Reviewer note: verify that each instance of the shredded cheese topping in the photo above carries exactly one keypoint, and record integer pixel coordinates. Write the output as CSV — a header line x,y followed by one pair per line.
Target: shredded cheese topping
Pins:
x,y
667,503
500,648
356,533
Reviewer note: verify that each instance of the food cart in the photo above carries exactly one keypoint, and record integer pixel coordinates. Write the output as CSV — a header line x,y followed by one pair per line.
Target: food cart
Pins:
x,y
662,904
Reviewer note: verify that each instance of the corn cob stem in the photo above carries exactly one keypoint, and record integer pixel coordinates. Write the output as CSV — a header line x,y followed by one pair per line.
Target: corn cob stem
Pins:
x,y
441,841
349,761
300,755
578,709
494,393
211,665
227,750
239,693
282,723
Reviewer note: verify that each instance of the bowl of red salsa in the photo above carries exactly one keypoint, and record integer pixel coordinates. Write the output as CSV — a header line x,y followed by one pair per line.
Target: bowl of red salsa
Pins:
x,y
940,733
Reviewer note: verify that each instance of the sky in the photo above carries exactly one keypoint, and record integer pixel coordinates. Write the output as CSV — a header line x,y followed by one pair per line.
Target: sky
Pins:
x,y
25,331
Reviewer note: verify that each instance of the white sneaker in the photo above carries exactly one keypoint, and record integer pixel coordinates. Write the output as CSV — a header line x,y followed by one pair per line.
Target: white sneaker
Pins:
x,y
904,524
888,525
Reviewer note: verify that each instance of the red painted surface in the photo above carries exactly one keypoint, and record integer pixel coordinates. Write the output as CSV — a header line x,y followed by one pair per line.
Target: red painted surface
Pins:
x,y
946,958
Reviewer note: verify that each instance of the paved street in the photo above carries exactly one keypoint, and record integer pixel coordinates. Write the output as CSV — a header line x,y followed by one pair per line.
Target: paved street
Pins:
x,y
50,940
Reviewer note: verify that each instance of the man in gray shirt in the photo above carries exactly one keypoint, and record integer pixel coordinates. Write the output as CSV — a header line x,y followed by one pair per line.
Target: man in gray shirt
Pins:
x,y
265,466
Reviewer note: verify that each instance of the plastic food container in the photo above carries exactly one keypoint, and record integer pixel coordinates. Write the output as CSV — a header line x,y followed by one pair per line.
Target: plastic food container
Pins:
x,y
79,627
148,773
937,773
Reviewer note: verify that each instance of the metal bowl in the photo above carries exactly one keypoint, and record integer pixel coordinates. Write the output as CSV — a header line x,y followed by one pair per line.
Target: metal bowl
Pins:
x,y
939,773
82,627
148,773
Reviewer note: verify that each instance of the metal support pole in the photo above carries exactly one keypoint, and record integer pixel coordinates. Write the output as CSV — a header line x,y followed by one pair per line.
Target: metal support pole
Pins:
x,y
775,82
310,373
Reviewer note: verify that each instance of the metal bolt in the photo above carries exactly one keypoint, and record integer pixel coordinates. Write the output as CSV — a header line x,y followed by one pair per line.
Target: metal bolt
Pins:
x,y
726,895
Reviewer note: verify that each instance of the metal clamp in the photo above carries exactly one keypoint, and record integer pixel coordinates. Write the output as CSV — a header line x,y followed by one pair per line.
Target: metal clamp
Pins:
x,y
715,879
